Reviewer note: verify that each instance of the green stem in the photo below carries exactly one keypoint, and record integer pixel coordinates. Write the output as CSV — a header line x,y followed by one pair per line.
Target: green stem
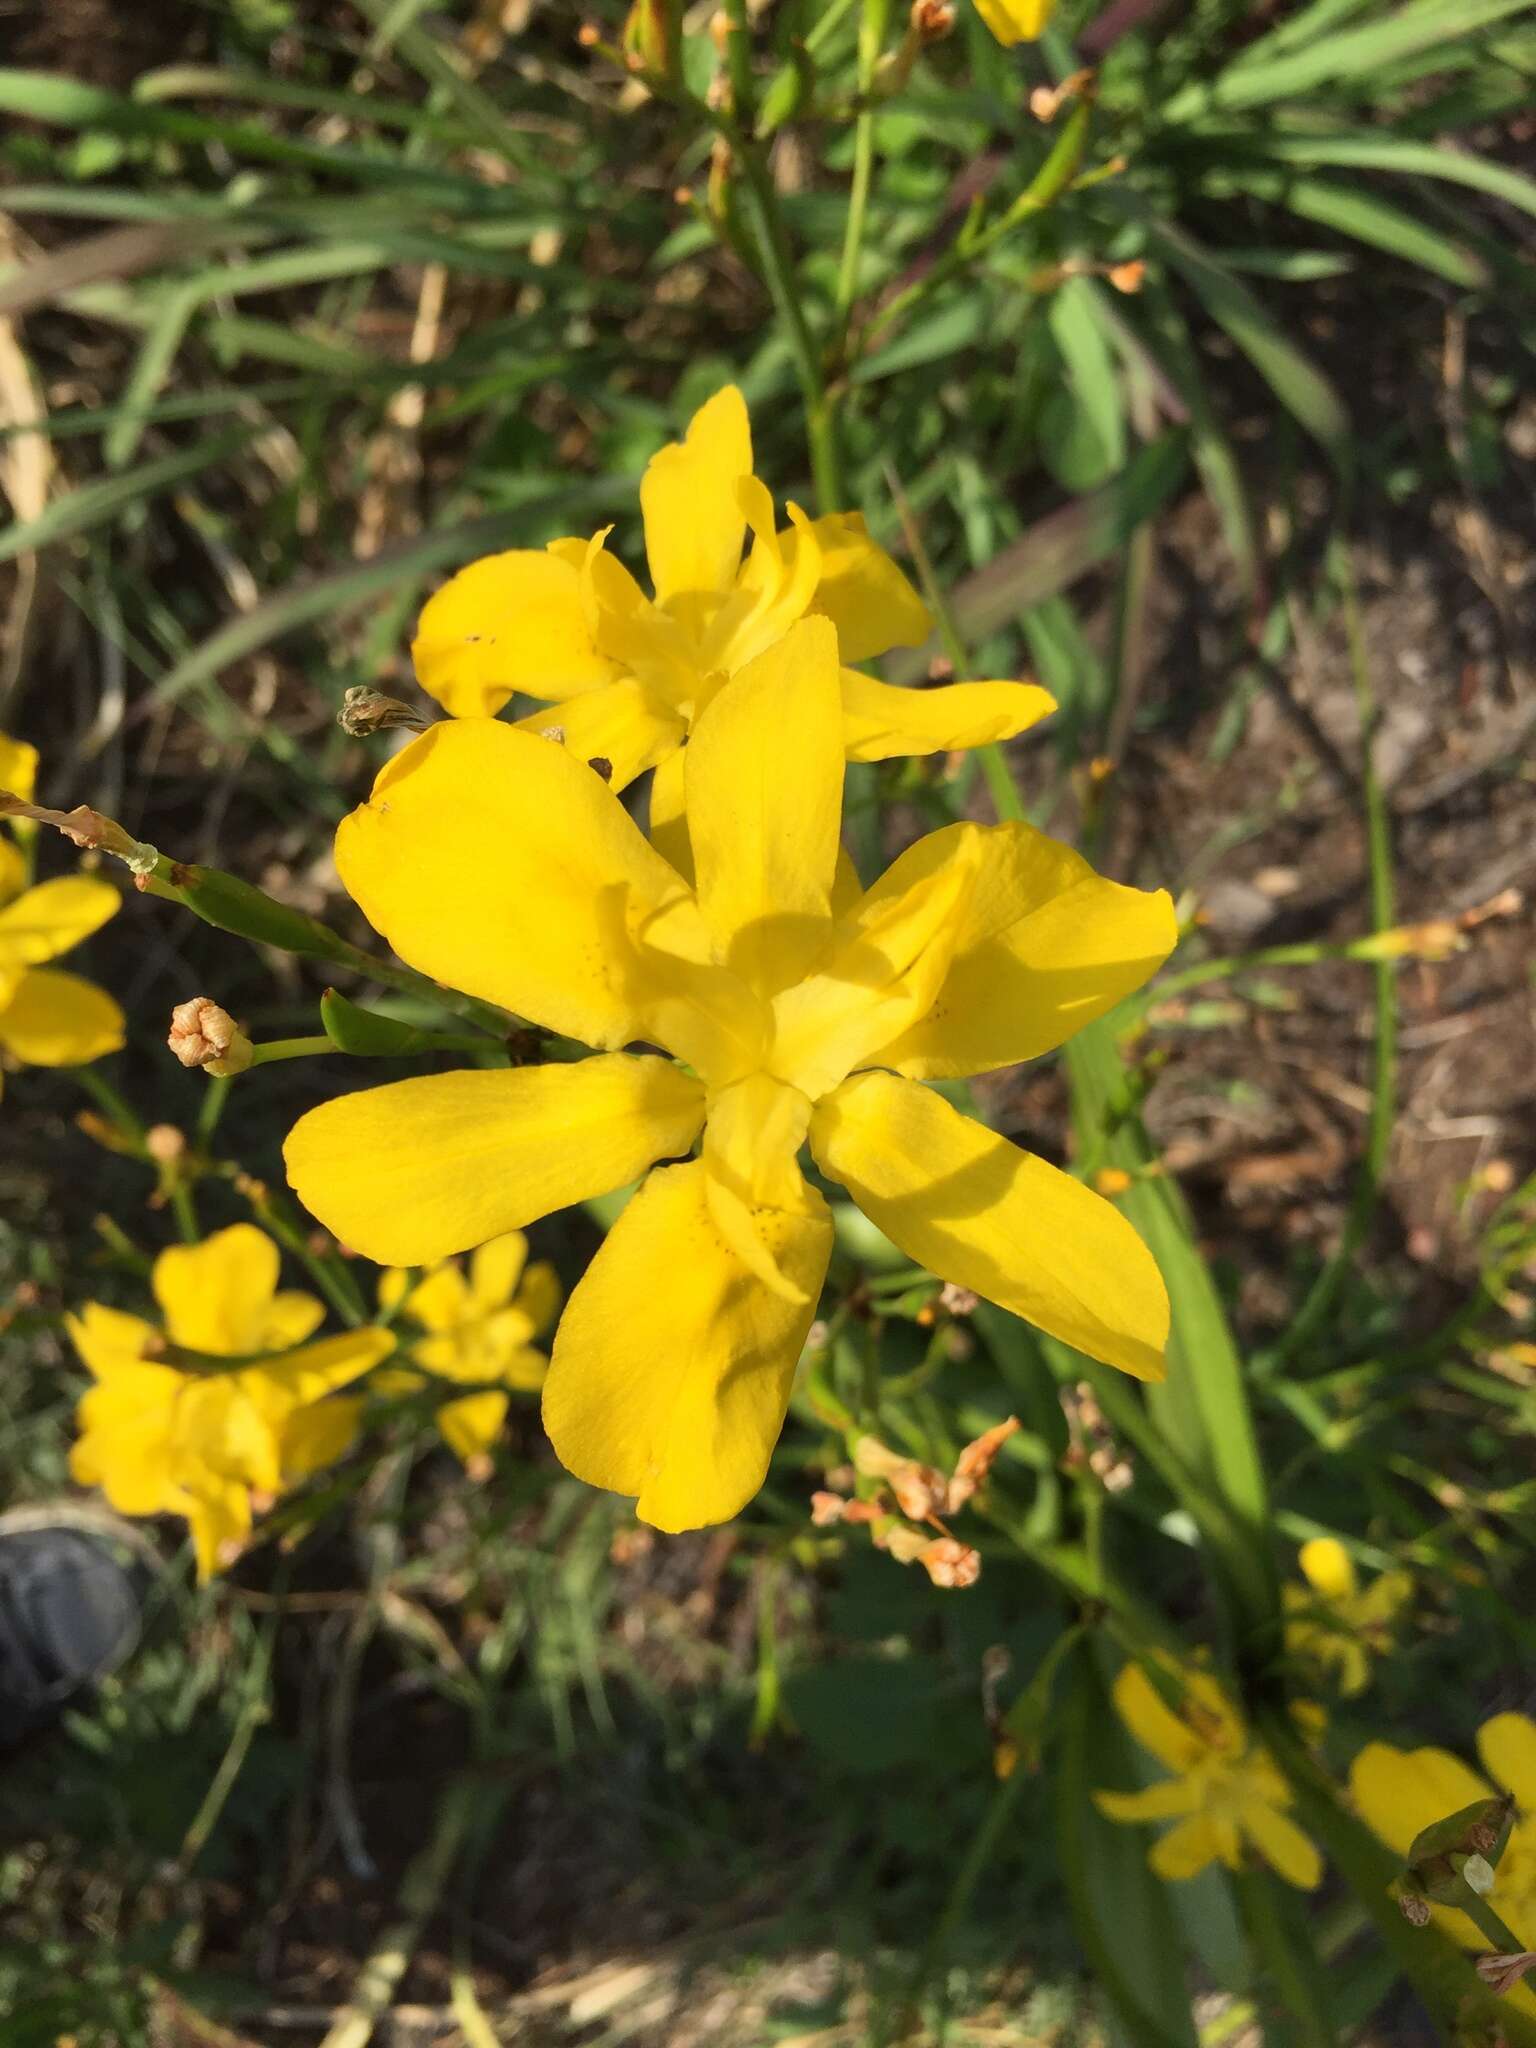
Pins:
x,y
107,1098
779,270
872,28
983,1845
1006,802
1277,1948
290,1049
328,1274
738,61
1314,1311
1304,954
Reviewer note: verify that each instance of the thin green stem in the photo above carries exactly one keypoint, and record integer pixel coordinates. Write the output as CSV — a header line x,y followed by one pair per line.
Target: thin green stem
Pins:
x,y
108,1099
779,270
1314,1311
979,1853
1303,954
1006,802
328,1273
872,27
1277,1949
290,1049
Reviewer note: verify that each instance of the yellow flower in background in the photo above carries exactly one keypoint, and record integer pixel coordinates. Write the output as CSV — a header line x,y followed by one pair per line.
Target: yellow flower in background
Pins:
x,y
1227,1795
801,1008
163,1438
480,1330
1400,1792
630,675
1016,21
1333,1624
48,1018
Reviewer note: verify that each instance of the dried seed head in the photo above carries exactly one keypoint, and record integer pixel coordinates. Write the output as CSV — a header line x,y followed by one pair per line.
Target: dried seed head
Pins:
x,y
827,1508
165,1144
931,20
203,1035
364,712
950,1564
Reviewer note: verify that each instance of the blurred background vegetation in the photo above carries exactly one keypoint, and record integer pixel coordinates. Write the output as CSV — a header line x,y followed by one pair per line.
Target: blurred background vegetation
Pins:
x,y
1206,397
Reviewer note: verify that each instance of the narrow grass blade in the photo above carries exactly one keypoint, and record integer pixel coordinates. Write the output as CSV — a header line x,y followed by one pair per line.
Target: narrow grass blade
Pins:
x,y
93,504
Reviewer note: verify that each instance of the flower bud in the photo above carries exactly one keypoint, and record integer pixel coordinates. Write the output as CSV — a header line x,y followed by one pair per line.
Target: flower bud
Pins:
x,y
652,33
950,1564
163,1142
203,1035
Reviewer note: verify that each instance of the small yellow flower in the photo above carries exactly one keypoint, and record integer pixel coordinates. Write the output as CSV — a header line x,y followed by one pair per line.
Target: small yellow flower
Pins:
x,y
1227,1795
161,1438
630,675
480,1330
798,1007
47,1018
1399,1792
1016,21
1333,1624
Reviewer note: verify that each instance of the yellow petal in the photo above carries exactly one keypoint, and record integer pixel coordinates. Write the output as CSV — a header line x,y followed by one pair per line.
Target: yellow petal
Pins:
x,y
1015,21
880,971
18,767
411,1172
13,870
1044,946
495,1270
1507,1746
317,1436
539,1296
688,498
217,1296
1282,1845
765,788
1153,1722
318,1369
501,865
881,721
125,1439
624,724
668,822
751,1138
46,921
441,1301
218,1514
53,916
106,1339
1188,1846
508,622
773,592
471,1426
1327,1568
861,590
1401,1791
55,1019
292,1317
1166,1801
672,1363
975,1209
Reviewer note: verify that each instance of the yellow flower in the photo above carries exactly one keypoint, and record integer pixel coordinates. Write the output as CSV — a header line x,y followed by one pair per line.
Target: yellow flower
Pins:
x,y
1227,1794
161,1439
1336,1626
1016,21
801,1007
1402,1791
480,1331
631,675
48,1019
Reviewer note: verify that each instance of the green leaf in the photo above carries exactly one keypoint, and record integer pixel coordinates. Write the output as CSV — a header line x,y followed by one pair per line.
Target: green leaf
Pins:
x,y
1368,152
1359,212
91,505
1295,380
1122,1913
1061,547
343,590
1353,56
1201,1410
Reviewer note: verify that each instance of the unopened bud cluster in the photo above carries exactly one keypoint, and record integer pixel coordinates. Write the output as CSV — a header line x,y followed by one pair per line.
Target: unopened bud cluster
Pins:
x,y
203,1035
